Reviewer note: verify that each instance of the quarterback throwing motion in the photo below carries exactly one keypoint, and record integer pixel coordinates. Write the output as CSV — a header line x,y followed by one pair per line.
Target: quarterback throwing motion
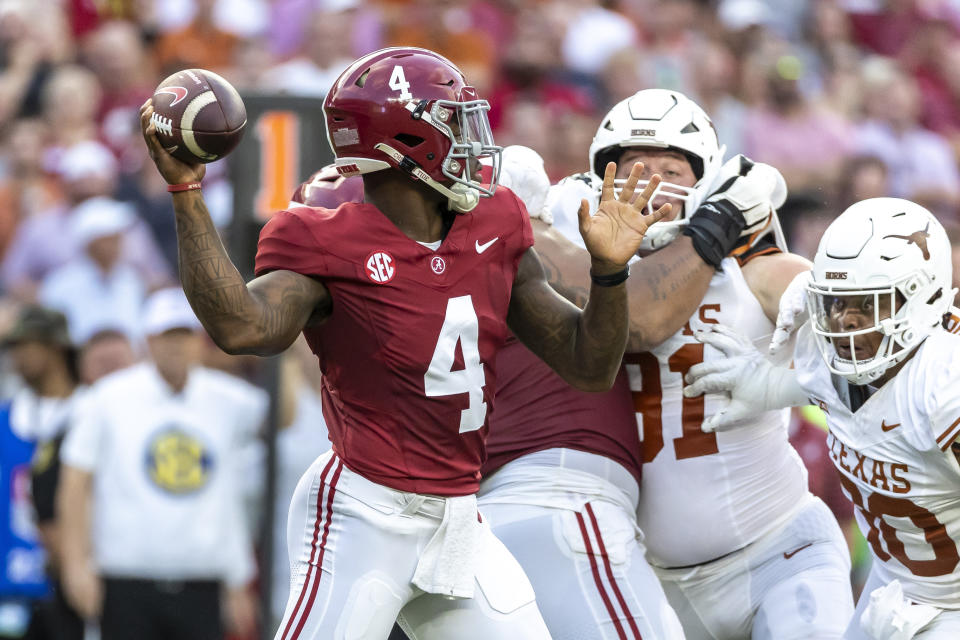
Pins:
x,y
406,298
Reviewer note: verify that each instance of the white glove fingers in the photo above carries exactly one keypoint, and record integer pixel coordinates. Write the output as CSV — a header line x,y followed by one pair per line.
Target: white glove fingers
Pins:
x,y
718,383
733,334
706,368
724,343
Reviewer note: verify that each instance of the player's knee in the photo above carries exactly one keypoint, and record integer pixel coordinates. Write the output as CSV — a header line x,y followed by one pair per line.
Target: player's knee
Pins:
x,y
370,609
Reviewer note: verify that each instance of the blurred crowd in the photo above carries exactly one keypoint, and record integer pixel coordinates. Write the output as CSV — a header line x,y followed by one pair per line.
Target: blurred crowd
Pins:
x,y
850,99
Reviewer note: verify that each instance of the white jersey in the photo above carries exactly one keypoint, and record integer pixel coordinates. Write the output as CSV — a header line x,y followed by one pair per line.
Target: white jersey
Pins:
x,y
737,485
896,463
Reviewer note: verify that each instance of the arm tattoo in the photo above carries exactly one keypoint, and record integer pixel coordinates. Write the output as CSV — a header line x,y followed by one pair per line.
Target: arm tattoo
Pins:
x,y
575,293
665,289
584,347
264,317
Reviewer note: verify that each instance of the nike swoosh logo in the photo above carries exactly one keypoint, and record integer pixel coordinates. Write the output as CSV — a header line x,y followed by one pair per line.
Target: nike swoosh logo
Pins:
x,y
486,245
887,427
787,556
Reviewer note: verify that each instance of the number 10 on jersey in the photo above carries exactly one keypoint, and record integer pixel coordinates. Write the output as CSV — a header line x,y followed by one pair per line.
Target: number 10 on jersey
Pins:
x,y
459,325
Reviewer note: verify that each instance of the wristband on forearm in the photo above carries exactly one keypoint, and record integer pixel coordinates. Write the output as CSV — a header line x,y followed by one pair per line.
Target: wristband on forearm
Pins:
x,y
184,186
715,228
612,279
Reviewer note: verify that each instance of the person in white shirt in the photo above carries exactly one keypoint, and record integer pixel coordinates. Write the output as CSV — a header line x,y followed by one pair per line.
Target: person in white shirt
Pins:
x,y
97,287
150,496
880,355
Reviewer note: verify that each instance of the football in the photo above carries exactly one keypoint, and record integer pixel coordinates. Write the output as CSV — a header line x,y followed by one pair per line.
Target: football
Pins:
x,y
198,115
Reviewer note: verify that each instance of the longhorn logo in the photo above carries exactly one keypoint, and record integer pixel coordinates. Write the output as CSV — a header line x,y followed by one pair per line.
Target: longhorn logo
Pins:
x,y
918,238
178,93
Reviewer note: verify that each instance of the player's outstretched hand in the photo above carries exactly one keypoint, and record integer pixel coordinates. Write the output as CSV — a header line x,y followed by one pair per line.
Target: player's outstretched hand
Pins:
x,y
612,235
173,171
740,374
792,312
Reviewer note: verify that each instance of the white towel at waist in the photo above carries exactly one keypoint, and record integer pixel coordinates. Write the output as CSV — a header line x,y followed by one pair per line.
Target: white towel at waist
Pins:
x,y
448,563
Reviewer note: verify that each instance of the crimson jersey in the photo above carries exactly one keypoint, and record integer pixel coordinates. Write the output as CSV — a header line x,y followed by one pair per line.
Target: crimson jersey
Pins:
x,y
537,410
408,352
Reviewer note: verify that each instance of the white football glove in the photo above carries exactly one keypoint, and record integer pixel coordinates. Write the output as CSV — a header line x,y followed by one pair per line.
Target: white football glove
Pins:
x,y
741,207
890,616
521,171
753,384
751,187
792,313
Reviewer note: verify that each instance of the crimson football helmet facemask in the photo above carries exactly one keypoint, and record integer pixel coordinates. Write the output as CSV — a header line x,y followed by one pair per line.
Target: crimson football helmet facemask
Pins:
x,y
411,109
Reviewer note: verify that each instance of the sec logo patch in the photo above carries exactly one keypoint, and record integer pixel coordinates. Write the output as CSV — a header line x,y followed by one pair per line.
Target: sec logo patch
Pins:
x,y
380,267
177,462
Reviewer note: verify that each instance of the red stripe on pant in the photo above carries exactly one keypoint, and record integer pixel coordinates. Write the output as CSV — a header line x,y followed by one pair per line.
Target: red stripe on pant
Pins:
x,y
609,570
313,549
599,582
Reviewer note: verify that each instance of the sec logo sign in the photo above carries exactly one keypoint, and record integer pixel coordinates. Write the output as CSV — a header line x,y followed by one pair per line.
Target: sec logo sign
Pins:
x,y
381,267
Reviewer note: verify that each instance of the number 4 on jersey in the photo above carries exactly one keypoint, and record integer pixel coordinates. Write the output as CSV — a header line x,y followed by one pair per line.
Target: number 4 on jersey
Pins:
x,y
459,325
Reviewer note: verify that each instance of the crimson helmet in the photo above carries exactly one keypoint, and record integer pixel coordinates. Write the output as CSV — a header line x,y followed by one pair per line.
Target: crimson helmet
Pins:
x,y
411,109
328,189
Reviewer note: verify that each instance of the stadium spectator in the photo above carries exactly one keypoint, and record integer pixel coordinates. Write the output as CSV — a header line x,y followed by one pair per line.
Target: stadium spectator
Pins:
x,y
42,243
71,97
153,528
807,143
97,287
324,54
921,164
199,44
116,52
25,188
105,351
862,177
594,34
45,360
715,84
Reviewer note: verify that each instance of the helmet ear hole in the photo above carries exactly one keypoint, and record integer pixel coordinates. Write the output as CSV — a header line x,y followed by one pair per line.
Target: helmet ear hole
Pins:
x,y
409,140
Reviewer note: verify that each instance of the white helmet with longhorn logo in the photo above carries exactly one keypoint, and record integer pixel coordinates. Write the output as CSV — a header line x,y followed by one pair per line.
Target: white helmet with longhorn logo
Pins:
x,y
893,259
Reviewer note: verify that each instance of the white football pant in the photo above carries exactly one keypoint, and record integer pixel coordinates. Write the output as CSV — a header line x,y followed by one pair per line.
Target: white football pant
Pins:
x,y
354,546
569,519
793,584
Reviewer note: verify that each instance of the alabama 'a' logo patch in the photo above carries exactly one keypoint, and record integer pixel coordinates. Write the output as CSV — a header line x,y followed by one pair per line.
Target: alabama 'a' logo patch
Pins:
x,y
380,267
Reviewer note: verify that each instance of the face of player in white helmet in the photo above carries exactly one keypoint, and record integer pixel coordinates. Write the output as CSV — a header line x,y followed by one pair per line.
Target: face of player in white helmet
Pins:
x,y
854,313
672,166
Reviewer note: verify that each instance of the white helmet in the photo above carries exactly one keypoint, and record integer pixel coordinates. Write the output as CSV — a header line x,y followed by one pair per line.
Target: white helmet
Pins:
x,y
894,257
661,119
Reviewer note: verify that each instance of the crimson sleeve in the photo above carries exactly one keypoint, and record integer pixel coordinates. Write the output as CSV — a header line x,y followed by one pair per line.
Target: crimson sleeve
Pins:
x,y
286,242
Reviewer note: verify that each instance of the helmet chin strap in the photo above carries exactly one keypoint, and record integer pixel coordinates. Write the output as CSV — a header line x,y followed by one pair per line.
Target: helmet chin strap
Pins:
x,y
460,197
